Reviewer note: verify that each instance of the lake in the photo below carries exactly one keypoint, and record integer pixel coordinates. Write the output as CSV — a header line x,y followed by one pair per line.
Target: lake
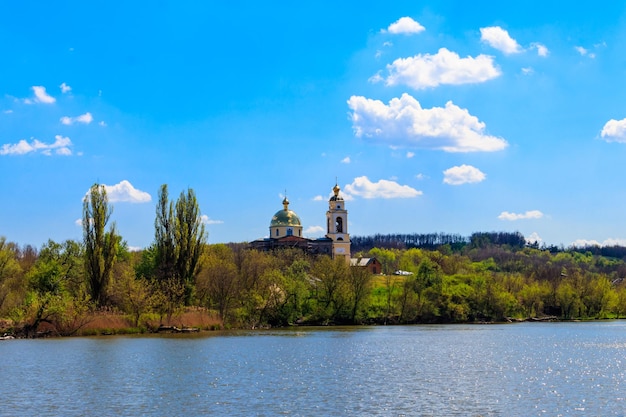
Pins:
x,y
523,369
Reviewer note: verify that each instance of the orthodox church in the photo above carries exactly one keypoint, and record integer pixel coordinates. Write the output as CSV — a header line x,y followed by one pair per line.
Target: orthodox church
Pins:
x,y
286,231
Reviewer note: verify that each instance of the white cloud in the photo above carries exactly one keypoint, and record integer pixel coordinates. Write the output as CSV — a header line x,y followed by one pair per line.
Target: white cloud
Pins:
x,y
363,187
124,192
464,174
532,214
500,39
534,237
410,155
61,146
608,242
83,118
65,88
405,123
346,160
406,26
78,222
102,123
614,131
9,111
420,176
542,50
584,52
528,71
41,96
445,67
314,230
206,220
318,198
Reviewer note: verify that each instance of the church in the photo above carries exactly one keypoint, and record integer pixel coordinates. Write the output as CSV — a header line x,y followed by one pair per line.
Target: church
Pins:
x,y
286,231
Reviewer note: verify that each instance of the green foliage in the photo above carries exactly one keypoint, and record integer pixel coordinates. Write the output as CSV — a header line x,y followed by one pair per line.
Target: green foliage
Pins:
x,y
12,286
101,247
246,288
180,238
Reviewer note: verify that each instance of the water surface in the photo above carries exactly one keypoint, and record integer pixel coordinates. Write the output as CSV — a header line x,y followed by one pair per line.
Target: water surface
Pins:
x,y
526,369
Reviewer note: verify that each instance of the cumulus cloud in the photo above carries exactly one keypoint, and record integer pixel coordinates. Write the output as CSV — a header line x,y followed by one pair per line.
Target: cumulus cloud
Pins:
x,y
124,192
363,187
464,174
498,38
445,67
314,230
614,131
318,198
65,88
580,243
532,214
403,122
410,155
61,146
206,220
346,160
534,237
542,50
83,118
41,96
406,26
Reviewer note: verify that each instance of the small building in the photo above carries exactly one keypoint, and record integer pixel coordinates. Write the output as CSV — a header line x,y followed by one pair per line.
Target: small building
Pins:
x,y
371,264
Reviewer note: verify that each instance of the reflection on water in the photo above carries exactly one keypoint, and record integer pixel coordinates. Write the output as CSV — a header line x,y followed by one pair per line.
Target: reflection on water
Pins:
x,y
528,369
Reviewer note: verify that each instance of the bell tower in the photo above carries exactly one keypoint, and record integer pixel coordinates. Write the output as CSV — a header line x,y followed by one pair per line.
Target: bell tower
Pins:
x,y
337,225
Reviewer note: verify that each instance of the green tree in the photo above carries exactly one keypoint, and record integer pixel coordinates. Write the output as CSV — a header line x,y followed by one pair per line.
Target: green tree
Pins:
x,y
359,280
100,246
180,238
12,287
331,280
56,294
217,283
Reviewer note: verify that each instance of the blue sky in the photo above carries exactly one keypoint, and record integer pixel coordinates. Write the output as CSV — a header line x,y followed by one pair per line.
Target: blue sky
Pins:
x,y
434,116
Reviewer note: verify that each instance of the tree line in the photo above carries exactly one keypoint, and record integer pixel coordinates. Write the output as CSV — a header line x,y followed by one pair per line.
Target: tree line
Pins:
x,y
486,277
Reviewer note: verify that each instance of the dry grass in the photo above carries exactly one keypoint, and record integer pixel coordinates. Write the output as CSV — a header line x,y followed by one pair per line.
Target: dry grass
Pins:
x,y
115,323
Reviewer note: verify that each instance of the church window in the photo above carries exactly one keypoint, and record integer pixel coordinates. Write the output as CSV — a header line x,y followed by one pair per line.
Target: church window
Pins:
x,y
338,206
276,232
290,232
339,225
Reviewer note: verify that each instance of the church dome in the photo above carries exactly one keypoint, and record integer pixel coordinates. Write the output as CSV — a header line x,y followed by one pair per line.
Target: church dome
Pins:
x,y
285,217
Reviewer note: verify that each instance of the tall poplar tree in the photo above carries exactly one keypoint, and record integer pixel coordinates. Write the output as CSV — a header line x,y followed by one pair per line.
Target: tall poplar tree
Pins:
x,y
100,245
180,238
165,256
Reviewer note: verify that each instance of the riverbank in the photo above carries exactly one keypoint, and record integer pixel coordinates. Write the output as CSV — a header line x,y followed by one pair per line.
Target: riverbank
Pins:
x,y
112,323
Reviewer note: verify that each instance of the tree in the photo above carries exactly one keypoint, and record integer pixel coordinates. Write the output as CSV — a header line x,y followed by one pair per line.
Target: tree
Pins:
x,y
359,285
100,246
11,284
331,280
133,295
180,238
56,296
217,283
164,252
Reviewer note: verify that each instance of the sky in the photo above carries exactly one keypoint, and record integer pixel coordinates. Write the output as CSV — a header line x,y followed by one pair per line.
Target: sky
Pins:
x,y
432,116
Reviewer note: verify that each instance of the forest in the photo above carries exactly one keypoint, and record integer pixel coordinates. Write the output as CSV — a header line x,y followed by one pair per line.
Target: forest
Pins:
x,y
60,288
